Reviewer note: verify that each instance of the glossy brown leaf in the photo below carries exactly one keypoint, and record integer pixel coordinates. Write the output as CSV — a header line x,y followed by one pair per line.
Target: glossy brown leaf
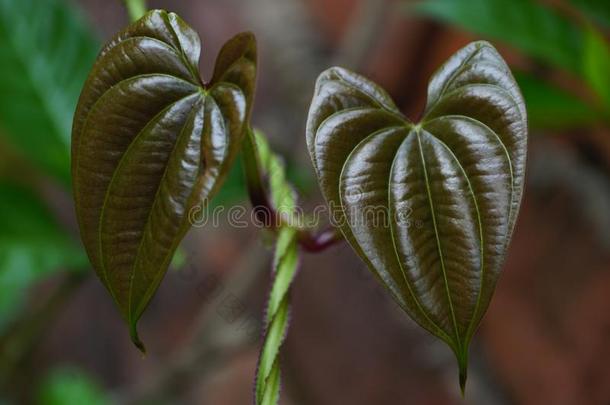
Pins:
x,y
150,141
430,207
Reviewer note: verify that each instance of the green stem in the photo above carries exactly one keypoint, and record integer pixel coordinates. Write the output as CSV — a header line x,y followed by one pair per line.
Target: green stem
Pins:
x,y
274,204
310,240
267,386
255,181
135,8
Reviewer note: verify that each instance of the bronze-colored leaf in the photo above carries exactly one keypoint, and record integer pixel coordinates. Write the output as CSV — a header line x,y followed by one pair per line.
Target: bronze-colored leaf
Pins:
x,y
430,207
150,141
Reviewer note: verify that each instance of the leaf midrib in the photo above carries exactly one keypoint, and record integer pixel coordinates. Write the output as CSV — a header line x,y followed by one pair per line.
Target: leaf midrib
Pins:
x,y
442,334
481,238
112,180
182,133
183,224
438,242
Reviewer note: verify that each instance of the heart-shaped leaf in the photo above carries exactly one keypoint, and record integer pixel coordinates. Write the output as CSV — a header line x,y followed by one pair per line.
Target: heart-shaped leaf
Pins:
x,y
150,141
430,207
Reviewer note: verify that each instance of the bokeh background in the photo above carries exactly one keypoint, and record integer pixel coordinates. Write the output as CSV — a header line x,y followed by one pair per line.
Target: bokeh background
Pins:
x,y
546,336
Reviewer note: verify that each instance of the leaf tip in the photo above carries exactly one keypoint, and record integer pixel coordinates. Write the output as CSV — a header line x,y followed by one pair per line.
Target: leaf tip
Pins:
x,y
463,373
133,331
463,377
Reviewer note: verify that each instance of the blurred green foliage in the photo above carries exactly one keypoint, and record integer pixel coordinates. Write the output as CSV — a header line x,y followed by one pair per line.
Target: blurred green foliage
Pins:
x,y
552,39
70,386
598,10
46,52
553,108
596,65
525,24
32,246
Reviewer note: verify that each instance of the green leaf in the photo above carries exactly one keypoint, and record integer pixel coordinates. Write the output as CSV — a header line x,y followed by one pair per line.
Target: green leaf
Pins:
x,y
135,8
46,51
70,386
552,108
596,65
430,207
32,247
150,142
524,24
598,10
